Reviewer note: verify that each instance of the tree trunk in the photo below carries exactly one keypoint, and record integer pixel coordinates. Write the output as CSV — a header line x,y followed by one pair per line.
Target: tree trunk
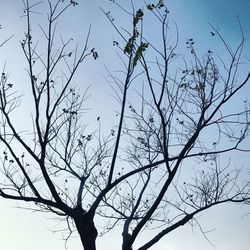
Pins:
x,y
87,231
126,245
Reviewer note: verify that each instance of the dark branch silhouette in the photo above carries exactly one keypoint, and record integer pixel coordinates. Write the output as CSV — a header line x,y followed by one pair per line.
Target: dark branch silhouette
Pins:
x,y
140,175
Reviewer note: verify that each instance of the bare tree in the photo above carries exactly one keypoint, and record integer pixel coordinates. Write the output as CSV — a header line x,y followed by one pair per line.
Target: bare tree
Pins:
x,y
140,175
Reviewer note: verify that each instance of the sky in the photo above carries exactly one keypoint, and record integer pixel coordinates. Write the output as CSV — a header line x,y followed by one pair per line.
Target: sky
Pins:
x,y
24,230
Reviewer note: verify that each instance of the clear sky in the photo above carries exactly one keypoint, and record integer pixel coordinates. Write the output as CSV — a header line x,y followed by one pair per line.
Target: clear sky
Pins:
x,y
229,225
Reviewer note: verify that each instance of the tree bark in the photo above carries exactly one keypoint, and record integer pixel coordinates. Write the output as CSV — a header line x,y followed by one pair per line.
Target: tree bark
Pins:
x,y
87,230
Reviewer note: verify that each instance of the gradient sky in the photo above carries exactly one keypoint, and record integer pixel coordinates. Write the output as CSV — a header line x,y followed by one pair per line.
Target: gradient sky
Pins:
x,y
229,225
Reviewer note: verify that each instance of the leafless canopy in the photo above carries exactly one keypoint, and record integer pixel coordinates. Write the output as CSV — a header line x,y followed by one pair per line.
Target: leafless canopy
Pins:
x,y
165,161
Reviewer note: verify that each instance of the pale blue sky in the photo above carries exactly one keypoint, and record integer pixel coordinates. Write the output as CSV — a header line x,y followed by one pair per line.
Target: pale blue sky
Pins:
x,y
21,230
